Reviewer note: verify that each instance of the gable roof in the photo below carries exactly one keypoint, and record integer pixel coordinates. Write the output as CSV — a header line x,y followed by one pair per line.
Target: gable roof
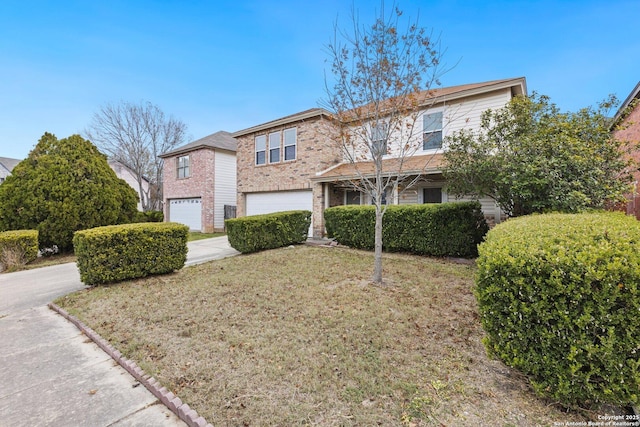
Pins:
x,y
9,163
518,86
6,166
635,94
303,115
221,140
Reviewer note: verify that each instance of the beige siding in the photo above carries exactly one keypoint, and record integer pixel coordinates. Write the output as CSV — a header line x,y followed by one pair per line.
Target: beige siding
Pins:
x,y
489,207
467,114
407,140
224,185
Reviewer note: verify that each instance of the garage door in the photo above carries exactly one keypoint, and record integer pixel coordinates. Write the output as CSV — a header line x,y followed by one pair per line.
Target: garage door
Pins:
x,y
187,212
278,201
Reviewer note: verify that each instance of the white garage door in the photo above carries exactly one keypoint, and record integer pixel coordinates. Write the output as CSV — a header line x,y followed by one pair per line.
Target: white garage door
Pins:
x,y
278,201
187,212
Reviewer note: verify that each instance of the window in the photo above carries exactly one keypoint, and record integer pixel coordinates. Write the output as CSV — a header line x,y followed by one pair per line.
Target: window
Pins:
x,y
290,144
432,195
183,167
274,147
352,197
384,198
261,149
379,136
432,131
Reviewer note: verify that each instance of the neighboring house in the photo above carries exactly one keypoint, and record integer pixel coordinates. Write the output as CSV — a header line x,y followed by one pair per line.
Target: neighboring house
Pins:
x,y
6,166
627,128
199,180
295,163
124,172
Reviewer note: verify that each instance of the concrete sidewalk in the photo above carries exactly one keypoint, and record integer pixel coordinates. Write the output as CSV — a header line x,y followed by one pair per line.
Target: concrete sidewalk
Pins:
x,y
52,374
208,250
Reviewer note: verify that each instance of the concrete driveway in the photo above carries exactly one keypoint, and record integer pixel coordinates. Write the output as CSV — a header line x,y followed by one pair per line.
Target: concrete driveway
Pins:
x,y
52,375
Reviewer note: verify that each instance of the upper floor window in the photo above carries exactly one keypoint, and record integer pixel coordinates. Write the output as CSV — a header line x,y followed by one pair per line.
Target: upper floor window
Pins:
x,y
290,143
379,136
274,147
261,149
184,171
281,145
432,131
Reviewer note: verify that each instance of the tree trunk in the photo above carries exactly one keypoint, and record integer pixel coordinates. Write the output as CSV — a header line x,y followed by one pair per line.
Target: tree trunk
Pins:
x,y
377,263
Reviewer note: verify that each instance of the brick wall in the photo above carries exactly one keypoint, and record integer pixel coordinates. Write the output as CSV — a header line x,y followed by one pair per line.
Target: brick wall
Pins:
x,y
199,184
630,131
315,152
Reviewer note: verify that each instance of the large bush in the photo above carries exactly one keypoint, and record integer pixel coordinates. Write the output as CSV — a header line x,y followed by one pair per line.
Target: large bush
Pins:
x,y
119,252
443,229
259,232
63,186
559,298
17,248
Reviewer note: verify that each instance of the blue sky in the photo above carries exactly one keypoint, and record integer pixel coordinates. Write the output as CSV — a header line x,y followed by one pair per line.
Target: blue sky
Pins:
x,y
228,65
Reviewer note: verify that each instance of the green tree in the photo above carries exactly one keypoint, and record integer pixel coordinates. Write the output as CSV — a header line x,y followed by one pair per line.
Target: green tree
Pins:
x,y
63,186
531,157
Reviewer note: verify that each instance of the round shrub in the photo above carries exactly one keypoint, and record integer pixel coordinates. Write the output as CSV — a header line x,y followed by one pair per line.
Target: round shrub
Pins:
x,y
559,298
63,186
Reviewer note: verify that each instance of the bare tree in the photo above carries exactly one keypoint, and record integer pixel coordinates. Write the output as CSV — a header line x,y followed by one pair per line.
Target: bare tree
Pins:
x,y
382,83
134,135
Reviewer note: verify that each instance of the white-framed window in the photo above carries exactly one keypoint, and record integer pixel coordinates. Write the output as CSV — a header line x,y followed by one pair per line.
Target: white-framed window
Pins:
x,y
432,131
432,195
379,136
183,167
352,197
261,149
274,147
290,144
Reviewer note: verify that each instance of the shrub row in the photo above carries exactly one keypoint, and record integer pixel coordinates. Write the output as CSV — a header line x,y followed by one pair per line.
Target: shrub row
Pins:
x,y
443,229
559,298
148,216
18,247
119,252
259,232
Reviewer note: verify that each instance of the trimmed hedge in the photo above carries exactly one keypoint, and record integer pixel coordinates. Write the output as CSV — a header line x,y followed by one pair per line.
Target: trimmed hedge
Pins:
x,y
259,232
443,229
24,243
559,298
119,252
148,216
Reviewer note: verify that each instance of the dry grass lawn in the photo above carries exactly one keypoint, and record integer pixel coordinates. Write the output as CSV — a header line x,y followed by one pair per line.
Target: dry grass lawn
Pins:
x,y
298,337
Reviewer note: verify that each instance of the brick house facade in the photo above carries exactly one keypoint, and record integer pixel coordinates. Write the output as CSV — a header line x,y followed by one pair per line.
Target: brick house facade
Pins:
x,y
199,179
281,177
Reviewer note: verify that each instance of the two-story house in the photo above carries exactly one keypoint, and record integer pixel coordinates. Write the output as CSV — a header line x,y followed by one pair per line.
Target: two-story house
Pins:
x,y
199,180
295,162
